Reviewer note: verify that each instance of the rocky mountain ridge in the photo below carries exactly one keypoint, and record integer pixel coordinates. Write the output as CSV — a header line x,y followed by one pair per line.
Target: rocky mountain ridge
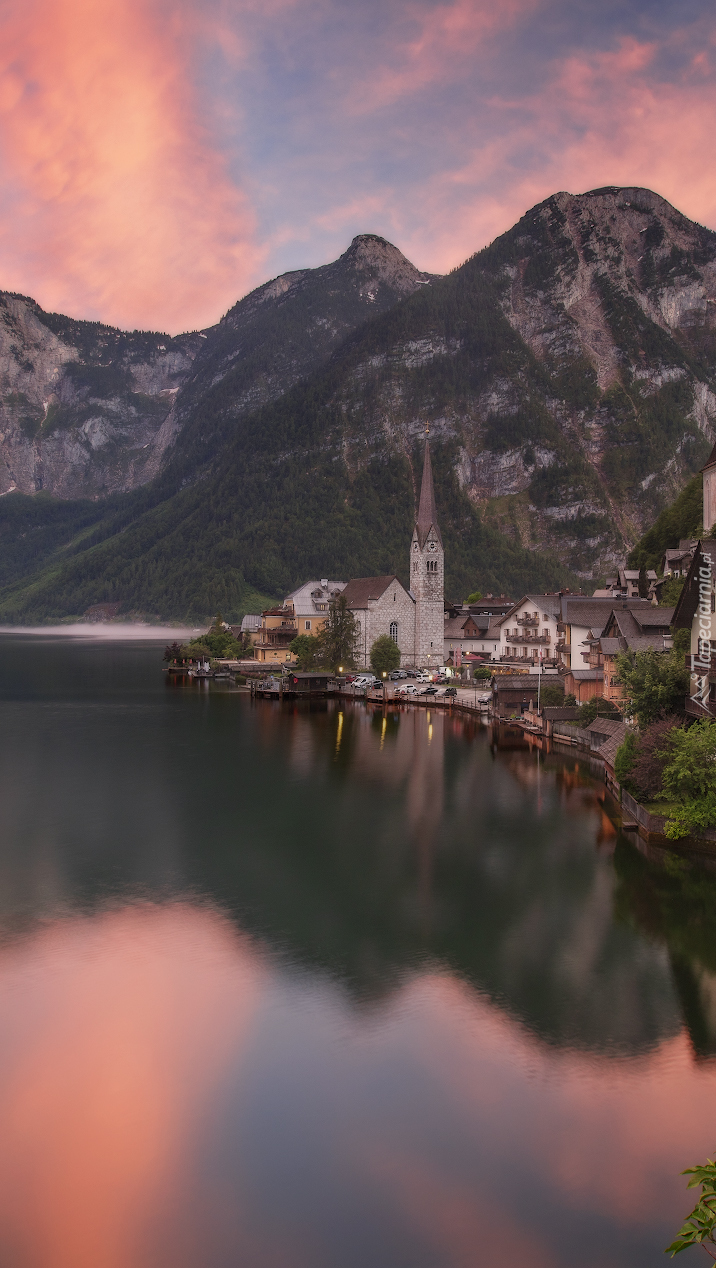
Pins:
x,y
87,410
567,374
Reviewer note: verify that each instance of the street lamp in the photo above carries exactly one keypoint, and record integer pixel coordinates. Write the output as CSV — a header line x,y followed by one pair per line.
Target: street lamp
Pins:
x,y
385,675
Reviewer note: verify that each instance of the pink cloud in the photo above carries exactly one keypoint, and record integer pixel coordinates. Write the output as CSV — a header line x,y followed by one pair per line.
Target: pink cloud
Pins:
x,y
444,33
601,119
116,200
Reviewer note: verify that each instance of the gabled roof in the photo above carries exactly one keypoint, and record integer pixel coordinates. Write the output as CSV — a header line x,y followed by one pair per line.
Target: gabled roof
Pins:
x,y
689,597
361,591
548,603
427,511
651,618
609,748
586,675
593,611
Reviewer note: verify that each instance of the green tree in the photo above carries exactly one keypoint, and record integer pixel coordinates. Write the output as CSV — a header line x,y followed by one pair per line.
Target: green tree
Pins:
x,y
384,655
671,591
306,649
570,699
689,778
338,640
552,695
481,672
657,683
700,1225
624,762
173,652
474,597
596,707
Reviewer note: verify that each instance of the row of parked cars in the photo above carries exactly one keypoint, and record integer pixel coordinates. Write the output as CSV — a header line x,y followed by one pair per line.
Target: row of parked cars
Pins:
x,y
422,686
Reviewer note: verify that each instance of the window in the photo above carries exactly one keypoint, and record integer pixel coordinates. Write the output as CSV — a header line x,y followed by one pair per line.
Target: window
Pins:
x,y
432,565
308,625
394,631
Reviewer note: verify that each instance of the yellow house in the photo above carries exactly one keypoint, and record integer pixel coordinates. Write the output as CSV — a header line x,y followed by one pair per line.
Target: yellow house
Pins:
x,y
277,630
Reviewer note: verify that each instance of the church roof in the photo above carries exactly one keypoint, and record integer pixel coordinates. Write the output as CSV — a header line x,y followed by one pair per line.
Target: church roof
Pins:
x,y
360,591
427,511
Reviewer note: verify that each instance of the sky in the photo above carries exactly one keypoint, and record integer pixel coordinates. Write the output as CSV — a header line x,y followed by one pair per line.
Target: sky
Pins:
x,y
158,160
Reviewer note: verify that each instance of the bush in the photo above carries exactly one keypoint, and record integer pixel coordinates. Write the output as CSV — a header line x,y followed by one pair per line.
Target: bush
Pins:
x,y
648,767
689,778
384,655
570,699
657,683
552,695
624,762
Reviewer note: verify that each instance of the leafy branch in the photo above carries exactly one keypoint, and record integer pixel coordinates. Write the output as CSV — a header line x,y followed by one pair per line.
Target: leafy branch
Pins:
x,y
700,1224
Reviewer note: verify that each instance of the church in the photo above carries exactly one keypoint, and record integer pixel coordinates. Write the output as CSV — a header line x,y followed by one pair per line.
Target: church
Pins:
x,y
414,618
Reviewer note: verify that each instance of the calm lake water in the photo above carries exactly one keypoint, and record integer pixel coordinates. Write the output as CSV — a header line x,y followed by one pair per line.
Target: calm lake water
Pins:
x,y
292,987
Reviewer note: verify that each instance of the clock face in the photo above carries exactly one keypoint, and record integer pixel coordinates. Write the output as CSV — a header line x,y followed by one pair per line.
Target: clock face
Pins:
x,y
433,546
415,545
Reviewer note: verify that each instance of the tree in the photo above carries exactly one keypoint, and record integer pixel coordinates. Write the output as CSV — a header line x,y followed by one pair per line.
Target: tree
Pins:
x,y
481,672
552,695
474,597
671,591
596,707
384,655
173,652
689,778
338,640
699,1226
624,762
643,583
306,648
570,699
657,683
648,766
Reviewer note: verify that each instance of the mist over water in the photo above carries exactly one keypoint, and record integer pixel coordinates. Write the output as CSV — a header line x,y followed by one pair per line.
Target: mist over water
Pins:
x,y
302,986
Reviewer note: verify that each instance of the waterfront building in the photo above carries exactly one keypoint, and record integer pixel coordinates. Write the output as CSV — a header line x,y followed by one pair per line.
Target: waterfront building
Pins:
x,y
276,632
528,632
310,604
627,630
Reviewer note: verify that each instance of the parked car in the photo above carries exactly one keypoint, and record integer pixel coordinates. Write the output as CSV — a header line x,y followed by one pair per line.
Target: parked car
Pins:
x,y
397,674
429,691
408,690
450,691
365,680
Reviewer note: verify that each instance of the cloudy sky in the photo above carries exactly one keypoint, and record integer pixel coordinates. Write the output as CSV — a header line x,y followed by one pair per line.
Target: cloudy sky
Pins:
x,y
159,159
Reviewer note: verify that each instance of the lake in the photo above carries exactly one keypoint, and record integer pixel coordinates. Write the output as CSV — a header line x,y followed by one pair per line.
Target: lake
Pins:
x,y
319,986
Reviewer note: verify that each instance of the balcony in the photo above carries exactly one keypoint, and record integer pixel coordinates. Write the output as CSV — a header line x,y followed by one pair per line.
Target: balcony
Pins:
x,y
528,620
535,639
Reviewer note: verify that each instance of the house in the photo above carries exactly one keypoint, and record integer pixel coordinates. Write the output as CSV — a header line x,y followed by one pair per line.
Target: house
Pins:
x,y
465,634
512,693
528,632
633,629
583,684
310,604
676,561
582,617
696,611
276,632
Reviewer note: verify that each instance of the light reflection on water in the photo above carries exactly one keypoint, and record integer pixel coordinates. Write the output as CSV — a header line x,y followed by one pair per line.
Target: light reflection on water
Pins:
x,y
318,987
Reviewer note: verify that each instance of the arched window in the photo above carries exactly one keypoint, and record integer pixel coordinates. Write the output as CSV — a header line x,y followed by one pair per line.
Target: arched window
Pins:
x,y
394,631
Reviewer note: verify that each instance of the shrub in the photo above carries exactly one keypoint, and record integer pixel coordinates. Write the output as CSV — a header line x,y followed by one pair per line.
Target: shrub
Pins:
x,y
689,778
384,655
597,707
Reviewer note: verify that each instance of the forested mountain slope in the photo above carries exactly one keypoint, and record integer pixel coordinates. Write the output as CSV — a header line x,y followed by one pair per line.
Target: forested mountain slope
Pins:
x,y
567,375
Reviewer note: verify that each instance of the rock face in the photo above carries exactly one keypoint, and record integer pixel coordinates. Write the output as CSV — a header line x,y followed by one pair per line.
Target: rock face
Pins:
x,y
87,410
83,407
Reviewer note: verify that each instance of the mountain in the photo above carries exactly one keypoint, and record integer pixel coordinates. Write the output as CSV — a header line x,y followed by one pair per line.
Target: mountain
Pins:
x,y
567,374
87,410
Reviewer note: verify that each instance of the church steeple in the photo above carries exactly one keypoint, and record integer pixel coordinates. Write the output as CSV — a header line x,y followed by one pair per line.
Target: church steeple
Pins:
x,y
427,511
427,571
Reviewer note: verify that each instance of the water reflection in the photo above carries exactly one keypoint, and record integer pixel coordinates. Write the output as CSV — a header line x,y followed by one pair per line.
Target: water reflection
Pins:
x,y
288,986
